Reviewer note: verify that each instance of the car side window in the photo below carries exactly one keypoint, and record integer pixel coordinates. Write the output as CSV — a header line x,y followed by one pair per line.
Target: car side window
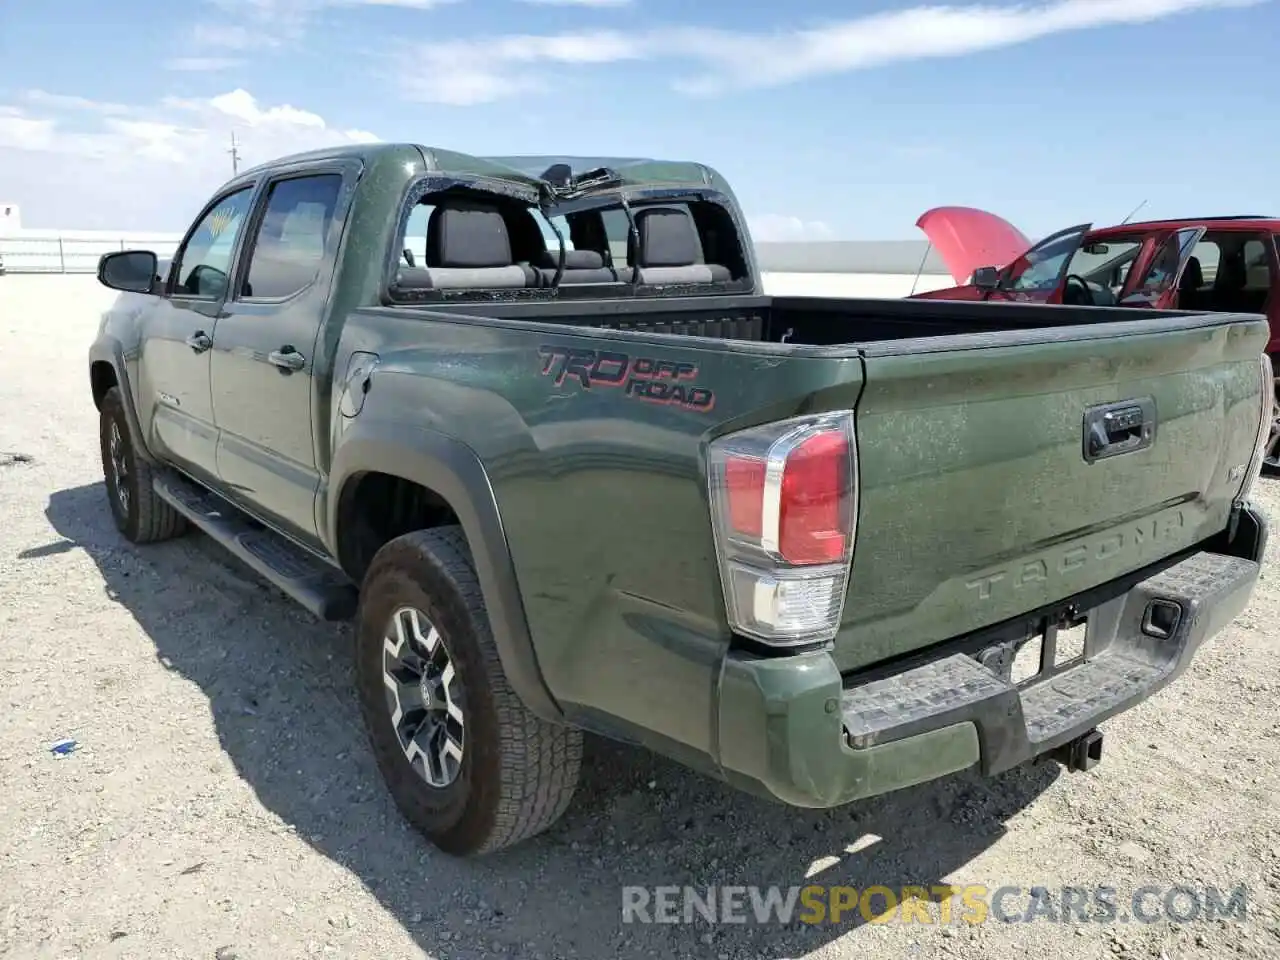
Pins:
x,y
1164,266
1257,266
291,238
204,264
1041,267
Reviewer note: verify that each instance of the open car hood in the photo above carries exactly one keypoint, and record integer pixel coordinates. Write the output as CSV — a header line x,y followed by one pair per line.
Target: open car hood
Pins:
x,y
967,238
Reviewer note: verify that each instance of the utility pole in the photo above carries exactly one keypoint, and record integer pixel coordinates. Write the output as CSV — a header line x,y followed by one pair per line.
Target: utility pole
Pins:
x,y
235,155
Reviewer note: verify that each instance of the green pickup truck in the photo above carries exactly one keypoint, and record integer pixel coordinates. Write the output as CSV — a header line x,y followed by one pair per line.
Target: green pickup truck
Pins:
x,y
534,426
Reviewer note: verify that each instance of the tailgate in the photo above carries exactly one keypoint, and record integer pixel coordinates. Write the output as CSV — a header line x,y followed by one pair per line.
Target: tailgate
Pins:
x,y
977,502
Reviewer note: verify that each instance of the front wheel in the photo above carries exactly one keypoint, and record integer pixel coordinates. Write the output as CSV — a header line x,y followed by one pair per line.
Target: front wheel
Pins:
x,y
138,511
466,762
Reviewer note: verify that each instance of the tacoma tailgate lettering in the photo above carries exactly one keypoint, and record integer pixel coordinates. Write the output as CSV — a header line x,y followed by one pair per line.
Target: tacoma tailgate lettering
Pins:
x,y
1106,547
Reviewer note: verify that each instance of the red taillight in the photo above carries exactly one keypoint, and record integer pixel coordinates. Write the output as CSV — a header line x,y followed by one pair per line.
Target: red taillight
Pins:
x,y
784,511
815,482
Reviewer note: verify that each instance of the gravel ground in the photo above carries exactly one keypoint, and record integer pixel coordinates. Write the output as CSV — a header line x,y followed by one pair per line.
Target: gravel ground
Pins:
x,y
222,802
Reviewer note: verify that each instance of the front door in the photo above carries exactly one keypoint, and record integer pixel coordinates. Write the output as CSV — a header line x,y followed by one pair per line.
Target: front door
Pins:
x,y
175,407
265,350
1037,276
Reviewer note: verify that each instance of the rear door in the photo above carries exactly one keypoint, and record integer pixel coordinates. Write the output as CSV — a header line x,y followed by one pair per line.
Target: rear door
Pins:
x,y
1157,285
982,497
265,350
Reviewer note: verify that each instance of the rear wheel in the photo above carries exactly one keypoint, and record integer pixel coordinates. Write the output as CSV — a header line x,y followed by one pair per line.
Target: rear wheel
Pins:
x,y
467,764
138,512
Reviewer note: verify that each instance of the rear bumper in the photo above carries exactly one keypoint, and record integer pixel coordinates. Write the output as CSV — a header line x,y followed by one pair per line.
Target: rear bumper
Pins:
x,y
794,729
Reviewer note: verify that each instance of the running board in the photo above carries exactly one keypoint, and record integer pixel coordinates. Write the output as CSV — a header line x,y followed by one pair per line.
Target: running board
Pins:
x,y
323,590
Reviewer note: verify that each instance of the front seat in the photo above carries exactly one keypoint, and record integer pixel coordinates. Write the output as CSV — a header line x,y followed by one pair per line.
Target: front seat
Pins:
x,y
1190,284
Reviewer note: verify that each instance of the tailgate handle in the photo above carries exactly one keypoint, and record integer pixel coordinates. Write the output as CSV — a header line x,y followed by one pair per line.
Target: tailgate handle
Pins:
x,y
1112,429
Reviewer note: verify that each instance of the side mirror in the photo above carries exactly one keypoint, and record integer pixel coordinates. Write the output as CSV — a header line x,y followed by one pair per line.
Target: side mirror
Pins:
x,y
986,278
133,271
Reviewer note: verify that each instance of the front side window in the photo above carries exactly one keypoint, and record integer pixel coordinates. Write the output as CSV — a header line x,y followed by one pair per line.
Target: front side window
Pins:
x,y
1041,267
290,244
204,264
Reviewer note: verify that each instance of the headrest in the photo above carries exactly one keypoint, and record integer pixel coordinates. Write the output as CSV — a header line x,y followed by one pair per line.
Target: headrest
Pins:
x,y
573,260
468,234
668,238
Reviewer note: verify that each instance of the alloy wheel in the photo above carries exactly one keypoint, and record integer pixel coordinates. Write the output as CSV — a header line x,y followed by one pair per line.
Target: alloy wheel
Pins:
x,y
424,696
119,467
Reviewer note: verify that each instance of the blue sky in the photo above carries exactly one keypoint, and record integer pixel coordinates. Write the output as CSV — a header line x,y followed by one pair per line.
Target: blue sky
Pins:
x,y
832,120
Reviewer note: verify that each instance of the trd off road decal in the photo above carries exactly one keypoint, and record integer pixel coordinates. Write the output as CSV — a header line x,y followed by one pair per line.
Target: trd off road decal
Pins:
x,y
645,378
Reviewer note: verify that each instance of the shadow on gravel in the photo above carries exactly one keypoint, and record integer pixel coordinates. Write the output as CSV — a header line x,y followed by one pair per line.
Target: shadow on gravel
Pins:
x,y
280,690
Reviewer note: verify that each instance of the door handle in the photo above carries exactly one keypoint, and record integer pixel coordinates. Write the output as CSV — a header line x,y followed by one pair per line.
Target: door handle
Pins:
x,y
1113,429
287,358
199,341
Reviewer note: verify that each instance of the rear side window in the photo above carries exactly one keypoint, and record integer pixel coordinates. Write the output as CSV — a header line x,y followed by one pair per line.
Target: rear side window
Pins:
x,y
290,244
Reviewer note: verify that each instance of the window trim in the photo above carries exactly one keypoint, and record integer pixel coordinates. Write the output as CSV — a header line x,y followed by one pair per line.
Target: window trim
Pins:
x,y
171,290
346,171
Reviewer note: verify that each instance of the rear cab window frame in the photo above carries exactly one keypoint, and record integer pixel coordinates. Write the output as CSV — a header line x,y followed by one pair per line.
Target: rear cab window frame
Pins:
x,y
637,197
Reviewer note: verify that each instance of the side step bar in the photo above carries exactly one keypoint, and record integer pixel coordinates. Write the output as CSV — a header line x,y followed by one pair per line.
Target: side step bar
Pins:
x,y
322,589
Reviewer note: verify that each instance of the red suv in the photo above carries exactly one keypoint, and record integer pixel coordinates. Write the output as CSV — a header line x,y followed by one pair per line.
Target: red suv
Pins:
x,y
1227,264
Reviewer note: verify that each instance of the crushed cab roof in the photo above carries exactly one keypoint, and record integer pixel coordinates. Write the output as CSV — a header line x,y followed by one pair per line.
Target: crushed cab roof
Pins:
x,y
634,171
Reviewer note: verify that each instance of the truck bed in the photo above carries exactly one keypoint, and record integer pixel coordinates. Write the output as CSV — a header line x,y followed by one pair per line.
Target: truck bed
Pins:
x,y
975,502
804,321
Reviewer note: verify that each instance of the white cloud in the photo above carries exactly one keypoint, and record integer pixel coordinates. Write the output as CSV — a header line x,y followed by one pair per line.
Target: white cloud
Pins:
x,y
62,101
466,72
775,227
579,3
73,162
224,37
245,25
740,61
20,132
463,72
201,64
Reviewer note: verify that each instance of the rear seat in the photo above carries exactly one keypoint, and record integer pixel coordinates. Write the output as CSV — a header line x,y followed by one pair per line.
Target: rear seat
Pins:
x,y
668,249
467,247
580,266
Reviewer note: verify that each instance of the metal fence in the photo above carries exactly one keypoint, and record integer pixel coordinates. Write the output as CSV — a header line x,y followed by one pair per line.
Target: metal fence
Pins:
x,y
69,254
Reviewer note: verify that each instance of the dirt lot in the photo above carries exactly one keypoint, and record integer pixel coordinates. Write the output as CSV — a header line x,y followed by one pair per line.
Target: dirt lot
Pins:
x,y
221,802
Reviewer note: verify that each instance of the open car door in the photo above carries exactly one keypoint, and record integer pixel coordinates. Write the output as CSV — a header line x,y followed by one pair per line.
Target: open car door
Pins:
x,y
1040,274
1161,278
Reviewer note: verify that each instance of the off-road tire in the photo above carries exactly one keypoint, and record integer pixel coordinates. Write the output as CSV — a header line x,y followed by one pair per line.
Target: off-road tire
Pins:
x,y
518,773
146,518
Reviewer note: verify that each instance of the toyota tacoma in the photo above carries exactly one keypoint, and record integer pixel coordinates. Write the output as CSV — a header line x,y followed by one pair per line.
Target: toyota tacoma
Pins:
x,y
533,426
